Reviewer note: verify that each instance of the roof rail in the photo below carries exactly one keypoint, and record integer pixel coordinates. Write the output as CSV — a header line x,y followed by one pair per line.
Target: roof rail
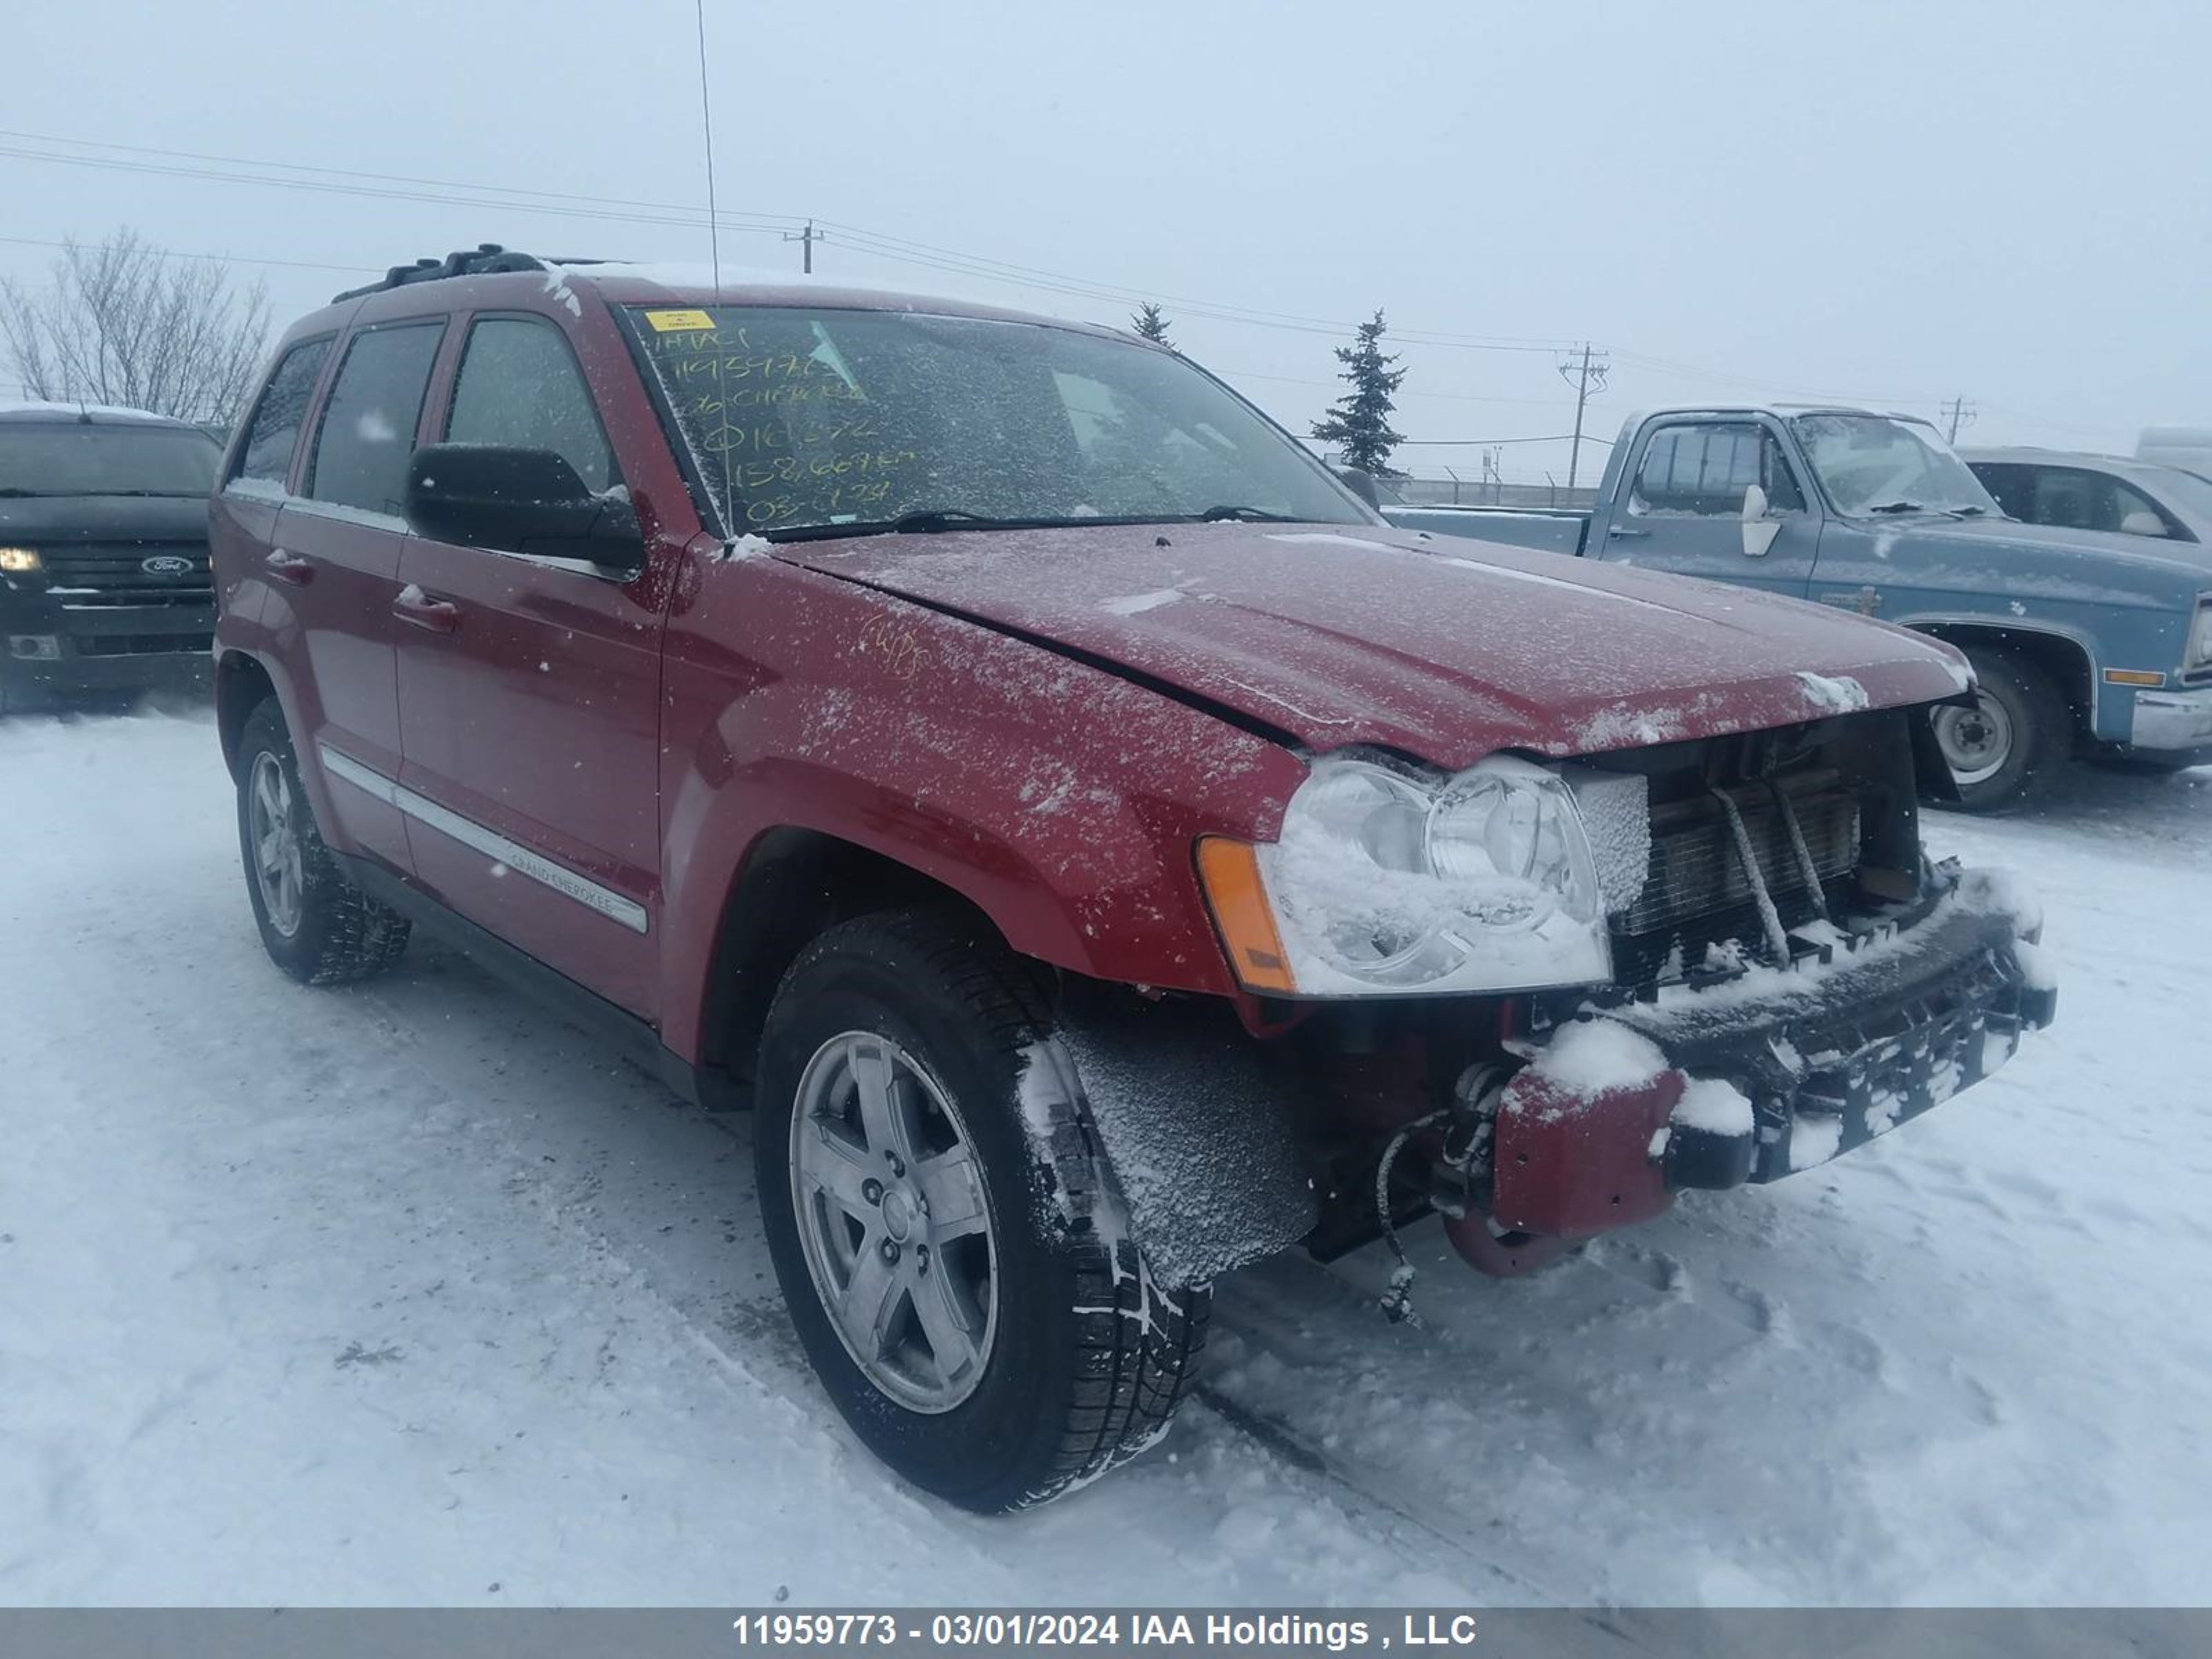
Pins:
x,y
484,260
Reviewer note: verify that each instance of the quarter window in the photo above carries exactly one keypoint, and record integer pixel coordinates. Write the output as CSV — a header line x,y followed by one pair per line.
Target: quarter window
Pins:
x,y
369,424
275,432
1702,469
520,386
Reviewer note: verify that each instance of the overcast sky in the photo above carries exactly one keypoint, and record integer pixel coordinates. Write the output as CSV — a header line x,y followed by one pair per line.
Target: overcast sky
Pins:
x,y
1891,203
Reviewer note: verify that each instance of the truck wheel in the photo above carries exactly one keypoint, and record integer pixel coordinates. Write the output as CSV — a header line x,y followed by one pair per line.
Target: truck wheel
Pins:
x,y
316,926
959,1273
2016,734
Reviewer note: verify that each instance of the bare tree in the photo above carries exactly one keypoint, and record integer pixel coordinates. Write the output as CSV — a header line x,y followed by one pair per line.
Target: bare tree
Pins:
x,y
126,322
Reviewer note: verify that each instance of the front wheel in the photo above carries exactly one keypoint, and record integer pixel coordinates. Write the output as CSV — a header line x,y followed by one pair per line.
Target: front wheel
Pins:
x,y
956,1268
2015,734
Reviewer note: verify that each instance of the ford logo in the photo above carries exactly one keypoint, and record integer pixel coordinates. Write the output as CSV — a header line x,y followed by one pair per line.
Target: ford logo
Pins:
x,y
167,564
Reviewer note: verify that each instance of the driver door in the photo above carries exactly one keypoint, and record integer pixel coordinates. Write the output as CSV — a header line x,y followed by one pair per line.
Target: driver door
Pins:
x,y
529,698
1685,507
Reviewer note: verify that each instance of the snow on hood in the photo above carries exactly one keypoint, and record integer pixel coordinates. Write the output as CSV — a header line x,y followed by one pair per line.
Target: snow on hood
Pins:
x,y
1449,650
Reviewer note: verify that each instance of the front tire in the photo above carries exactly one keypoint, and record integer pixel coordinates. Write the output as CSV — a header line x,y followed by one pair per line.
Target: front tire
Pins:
x,y
316,926
2018,733
958,1269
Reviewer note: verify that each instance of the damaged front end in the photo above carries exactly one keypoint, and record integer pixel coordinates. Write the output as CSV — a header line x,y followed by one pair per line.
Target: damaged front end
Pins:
x,y
1791,977
1888,1011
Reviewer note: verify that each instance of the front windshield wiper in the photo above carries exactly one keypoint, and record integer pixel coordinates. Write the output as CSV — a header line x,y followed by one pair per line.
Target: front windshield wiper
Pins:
x,y
12,493
1897,506
937,521
1244,515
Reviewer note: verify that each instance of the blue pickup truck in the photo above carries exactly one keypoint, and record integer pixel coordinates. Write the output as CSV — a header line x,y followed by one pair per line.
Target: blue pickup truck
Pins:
x,y
2083,642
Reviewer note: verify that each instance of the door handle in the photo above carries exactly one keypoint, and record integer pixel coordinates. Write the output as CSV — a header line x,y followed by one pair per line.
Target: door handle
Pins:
x,y
289,567
1623,531
417,608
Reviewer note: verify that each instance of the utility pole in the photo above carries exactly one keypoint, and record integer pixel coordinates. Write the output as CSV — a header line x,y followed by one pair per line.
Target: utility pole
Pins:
x,y
806,238
1586,376
1959,412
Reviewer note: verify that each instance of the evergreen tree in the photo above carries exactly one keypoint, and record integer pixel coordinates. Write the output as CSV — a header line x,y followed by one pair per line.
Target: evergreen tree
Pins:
x,y
1358,423
1151,325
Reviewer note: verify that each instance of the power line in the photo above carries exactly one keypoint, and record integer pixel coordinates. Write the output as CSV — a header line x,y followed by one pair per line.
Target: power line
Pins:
x,y
690,218
899,250
215,258
379,177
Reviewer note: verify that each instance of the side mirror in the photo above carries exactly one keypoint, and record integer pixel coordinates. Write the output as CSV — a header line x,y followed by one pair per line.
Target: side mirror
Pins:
x,y
521,501
1759,530
2142,522
1361,482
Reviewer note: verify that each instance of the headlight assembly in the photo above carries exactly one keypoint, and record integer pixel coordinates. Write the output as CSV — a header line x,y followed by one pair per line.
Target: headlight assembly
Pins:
x,y
1386,882
19,561
2199,654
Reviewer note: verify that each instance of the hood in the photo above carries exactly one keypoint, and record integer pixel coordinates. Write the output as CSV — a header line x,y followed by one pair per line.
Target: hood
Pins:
x,y
2091,557
57,520
1332,636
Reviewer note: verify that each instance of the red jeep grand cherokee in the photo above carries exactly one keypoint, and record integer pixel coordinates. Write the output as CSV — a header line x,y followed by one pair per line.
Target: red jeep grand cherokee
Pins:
x,y
1099,849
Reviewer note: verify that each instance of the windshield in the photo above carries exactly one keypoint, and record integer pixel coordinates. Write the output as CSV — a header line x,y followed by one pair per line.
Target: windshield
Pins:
x,y
810,419
1872,463
69,458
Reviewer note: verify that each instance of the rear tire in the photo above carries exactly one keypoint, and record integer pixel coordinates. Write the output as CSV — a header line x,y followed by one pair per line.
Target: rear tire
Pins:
x,y
1064,1358
316,926
2018,733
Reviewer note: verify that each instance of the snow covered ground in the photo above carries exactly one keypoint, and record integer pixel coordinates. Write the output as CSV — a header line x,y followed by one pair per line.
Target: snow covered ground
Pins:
x,y
410,1294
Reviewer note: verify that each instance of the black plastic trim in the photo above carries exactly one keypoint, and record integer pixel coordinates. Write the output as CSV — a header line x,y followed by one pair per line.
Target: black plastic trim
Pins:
x,y
585,1009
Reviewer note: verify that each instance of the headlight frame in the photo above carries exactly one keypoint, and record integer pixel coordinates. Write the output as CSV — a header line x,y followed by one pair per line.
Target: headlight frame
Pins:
x,y
1388,879
2197,650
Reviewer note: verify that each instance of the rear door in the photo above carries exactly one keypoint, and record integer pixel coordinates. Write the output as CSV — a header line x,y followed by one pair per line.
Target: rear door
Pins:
x,y
529,696
333,565
1683,501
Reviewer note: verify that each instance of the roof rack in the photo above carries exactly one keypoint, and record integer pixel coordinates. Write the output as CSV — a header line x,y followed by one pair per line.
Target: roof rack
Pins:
x,y
486,258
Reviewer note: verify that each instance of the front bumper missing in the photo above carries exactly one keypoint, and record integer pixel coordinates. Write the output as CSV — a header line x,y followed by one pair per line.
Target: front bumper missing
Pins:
x,y
1827,1055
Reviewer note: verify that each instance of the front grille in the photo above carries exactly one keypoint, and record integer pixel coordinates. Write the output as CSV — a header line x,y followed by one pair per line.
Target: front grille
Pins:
x,y
100,575
1696,893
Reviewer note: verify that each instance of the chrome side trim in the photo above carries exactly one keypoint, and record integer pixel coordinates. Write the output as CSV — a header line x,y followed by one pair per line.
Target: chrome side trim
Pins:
x,y
493,845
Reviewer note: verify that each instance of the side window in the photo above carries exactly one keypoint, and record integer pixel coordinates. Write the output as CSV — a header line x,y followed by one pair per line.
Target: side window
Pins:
x,y
275,432
369,424
2014,487
1702,469
520,386
2074,498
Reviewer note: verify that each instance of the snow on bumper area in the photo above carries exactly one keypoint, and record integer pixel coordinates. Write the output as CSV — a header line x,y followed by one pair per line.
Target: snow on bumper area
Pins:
x,y
411,1294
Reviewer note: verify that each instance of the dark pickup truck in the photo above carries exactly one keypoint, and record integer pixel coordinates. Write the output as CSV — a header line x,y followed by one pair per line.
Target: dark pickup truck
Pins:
x,y
103,552
2083,642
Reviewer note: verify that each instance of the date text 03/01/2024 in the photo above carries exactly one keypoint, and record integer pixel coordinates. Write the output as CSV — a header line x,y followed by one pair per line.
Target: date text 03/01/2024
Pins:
x,y
1335,1634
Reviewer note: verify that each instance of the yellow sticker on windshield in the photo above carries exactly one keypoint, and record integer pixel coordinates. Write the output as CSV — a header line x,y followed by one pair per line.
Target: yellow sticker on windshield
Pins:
x,y
676,322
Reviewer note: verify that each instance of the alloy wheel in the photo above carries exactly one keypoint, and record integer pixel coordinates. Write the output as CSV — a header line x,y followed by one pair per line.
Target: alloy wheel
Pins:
x,y
893,1221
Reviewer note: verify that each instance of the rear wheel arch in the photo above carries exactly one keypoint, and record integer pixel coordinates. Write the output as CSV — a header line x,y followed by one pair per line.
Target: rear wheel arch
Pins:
x,y
241,685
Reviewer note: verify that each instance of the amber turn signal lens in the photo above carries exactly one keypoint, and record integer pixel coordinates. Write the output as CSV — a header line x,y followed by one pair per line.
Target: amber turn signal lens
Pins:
x,y
1230,873
2133,676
